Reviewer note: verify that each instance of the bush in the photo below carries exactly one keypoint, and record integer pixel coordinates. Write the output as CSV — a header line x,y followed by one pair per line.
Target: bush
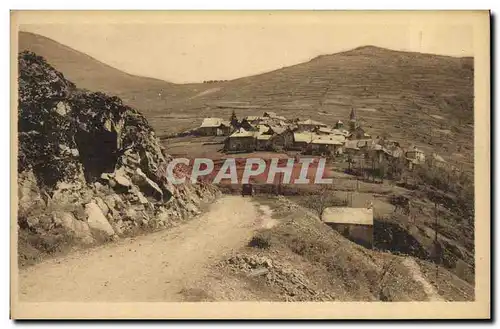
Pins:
x,y
261,240
455,185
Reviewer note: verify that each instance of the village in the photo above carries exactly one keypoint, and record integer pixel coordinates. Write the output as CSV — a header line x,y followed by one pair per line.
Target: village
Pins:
x,y
341,142
368,172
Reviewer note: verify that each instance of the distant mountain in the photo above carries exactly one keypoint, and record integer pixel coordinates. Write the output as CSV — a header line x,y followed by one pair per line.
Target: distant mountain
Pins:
x,y
86,72
417,98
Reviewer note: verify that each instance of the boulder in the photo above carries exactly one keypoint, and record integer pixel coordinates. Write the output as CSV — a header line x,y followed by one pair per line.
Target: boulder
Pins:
x,y
147,186
140,197
29,195
192,209
121,179
96,219
102,205
62,108
80,229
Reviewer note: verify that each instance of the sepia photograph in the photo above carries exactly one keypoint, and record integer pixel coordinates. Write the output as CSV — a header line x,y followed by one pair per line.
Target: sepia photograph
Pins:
x,y
314,164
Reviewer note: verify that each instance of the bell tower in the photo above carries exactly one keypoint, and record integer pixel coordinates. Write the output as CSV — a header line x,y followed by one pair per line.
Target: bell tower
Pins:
x,y
353,121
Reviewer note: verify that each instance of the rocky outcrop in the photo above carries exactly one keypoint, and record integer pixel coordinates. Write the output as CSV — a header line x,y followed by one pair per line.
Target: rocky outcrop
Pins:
x,y
88,164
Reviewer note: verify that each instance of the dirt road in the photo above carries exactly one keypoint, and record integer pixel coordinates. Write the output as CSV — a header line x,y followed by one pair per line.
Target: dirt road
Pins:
x,y
155,267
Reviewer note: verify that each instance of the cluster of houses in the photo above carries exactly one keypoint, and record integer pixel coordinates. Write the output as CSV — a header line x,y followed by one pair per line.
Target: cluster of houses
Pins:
x,y
271,132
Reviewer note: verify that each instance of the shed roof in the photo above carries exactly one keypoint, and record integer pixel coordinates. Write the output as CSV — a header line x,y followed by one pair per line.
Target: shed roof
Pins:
x,y
339,132
211,122
325,130
346,215
310,122
264,137
242,133
254,118
326,141
278,129
329,139
263,128
303,137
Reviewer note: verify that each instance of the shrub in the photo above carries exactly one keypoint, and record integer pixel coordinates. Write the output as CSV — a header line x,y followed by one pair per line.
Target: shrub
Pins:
x,y
261,240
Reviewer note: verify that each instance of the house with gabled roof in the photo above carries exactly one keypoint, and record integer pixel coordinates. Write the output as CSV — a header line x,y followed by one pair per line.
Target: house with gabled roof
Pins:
x,y
282,138
327,144
356,224
301,140
241,141
310,125
214,127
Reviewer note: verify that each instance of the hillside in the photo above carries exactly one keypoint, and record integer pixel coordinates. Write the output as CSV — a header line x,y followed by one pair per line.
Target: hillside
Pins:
x,y
421,98
416,98
87,72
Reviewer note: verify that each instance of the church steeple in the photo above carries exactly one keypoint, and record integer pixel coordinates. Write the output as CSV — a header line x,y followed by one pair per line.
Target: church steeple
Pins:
x,y
352,117
353,124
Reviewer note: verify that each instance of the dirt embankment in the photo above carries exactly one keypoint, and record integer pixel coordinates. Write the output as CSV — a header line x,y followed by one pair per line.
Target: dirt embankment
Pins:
x,y
302,259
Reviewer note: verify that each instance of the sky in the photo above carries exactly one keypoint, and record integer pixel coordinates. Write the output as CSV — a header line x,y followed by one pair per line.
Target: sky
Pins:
x,y
194,52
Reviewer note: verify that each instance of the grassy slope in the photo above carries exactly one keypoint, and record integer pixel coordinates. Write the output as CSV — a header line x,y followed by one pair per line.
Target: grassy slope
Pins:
x,y
88,73
405,89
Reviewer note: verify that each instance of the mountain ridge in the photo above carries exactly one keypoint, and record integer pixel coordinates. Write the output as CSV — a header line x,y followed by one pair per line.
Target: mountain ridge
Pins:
x,y
416,98
363,48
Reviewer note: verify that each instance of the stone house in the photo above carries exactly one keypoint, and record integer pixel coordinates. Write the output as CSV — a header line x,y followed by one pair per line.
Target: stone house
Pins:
x,y
241,141
309,125
327,144
351,147
263,142
414,156
301,140
282,138
214,127
356,224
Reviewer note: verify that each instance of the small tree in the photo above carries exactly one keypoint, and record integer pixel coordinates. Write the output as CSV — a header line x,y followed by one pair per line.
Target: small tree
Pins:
x,y
387,268
396,168
318,202
234,120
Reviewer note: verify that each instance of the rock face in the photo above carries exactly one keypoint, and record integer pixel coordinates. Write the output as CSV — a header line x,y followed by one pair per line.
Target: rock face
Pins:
x,y
91,158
